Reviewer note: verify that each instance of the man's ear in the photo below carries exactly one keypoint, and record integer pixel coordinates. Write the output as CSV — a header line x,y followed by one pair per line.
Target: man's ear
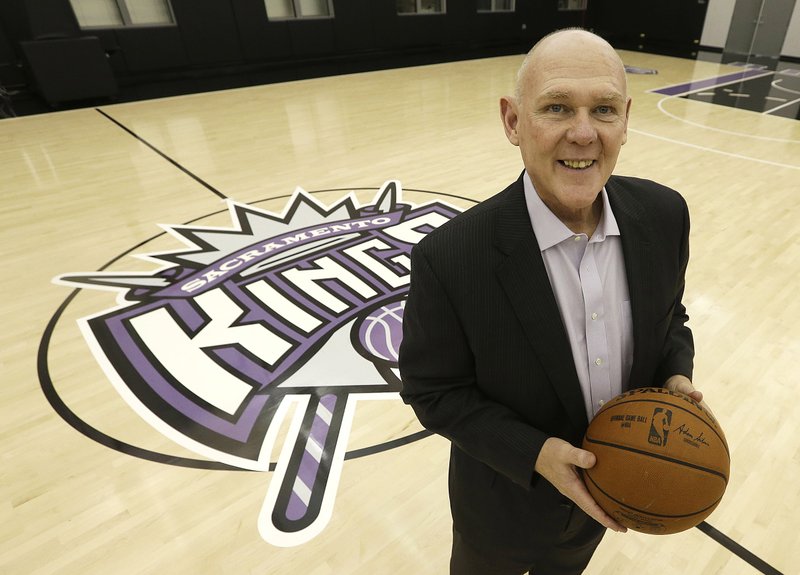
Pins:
x,y
627,115
508,113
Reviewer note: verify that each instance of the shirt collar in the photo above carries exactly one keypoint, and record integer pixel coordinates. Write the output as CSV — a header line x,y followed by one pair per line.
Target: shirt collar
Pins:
x,y
551,231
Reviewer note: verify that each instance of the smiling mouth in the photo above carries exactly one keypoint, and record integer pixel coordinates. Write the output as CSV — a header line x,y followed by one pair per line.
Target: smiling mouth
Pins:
x,y
577,164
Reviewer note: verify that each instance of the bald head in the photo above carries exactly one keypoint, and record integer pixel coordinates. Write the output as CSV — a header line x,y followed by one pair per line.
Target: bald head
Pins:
x,y
571,43
569,120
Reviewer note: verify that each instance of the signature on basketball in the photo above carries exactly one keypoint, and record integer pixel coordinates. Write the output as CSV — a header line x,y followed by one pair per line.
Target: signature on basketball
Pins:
x,y
688,437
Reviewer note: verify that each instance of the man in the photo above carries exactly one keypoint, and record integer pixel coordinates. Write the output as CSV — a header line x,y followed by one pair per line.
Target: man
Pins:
x,y
529,311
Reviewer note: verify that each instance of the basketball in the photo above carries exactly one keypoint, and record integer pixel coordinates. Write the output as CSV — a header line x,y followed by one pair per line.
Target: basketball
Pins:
x,y
662,461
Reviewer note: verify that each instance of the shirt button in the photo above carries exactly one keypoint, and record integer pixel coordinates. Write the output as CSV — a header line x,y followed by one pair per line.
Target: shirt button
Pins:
x,y
577,238
594,316
598,361
601,403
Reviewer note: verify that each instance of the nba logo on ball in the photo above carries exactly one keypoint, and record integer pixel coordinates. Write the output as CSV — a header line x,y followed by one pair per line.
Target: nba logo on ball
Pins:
x,y
659,426
646,482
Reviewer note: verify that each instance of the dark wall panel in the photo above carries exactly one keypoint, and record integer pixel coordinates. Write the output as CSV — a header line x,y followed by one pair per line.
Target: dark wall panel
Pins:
x,y
14,22
260,39
151,48
208,29
662,26
420,30
9,73
492,29
542,18
49,19
312,38
458,24
353,25
6,52
224,43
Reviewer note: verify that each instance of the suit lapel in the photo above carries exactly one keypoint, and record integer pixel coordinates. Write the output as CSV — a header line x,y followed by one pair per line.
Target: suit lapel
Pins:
x,y
640,269
524,280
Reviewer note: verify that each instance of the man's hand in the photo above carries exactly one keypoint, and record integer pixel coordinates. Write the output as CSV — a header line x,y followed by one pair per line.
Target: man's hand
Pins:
x,y
684,385
557,463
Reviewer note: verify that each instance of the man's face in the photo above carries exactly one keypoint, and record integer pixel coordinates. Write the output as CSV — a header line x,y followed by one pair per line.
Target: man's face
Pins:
x,y
570,120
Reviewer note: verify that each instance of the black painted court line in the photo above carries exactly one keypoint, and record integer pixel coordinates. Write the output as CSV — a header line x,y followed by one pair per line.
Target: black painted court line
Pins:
x,y
738,550
163,155
399,442
73,420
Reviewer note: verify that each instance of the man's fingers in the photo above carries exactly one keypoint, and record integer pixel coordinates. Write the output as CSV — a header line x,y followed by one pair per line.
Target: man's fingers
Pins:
x,y
697,396
580,494
582,458
558,462
585,501
594,511
682,384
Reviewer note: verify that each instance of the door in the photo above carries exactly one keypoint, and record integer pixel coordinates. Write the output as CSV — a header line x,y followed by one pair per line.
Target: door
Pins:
x,y
757,31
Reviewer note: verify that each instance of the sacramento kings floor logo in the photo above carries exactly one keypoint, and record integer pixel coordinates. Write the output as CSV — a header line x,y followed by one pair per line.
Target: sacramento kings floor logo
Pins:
x,y
298,312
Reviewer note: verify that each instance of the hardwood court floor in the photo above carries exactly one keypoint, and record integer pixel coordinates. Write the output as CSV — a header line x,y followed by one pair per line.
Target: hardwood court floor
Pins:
x,y
82,194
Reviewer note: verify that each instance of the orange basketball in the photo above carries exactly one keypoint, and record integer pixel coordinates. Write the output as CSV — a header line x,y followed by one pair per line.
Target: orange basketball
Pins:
x,y
662,461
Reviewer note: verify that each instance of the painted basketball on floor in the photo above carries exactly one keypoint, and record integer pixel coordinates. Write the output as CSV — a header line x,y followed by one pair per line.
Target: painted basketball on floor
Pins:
x,y
662,461
381,332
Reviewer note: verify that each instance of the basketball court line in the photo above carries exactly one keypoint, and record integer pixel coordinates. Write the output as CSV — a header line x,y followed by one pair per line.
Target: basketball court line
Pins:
x,y
731,132
63,410
712,150
698,86
786,105
163,155
738,550
777,86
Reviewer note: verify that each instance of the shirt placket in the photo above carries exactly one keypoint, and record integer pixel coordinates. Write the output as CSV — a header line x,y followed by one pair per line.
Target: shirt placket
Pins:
x,y
596,339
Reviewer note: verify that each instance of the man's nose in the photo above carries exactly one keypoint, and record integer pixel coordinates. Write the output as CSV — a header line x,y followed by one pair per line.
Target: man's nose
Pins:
x,y
582,130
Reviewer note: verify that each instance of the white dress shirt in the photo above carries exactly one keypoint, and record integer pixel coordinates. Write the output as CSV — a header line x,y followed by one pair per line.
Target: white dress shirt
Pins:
x,y
590,286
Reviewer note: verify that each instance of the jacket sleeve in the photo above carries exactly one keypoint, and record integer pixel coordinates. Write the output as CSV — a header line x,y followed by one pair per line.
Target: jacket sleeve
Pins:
x,y
677,354
437,368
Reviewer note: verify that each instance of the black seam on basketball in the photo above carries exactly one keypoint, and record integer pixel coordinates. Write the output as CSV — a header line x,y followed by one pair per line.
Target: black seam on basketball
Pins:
x,y
657,456
645,511
609,407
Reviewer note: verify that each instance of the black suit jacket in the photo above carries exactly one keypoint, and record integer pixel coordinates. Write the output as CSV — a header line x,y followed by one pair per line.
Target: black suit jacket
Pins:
x,y
485,360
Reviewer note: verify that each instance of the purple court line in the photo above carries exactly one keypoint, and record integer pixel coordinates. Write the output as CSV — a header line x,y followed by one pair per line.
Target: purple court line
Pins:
x,y
688,87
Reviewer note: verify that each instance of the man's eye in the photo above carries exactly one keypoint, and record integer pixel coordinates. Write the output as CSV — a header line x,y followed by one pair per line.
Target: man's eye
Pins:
x,y
605,110
556,108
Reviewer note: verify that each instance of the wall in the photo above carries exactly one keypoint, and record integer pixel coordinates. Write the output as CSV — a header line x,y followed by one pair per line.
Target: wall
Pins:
x,y
718,20
12,28
791,46
224,43
672,27
6,56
